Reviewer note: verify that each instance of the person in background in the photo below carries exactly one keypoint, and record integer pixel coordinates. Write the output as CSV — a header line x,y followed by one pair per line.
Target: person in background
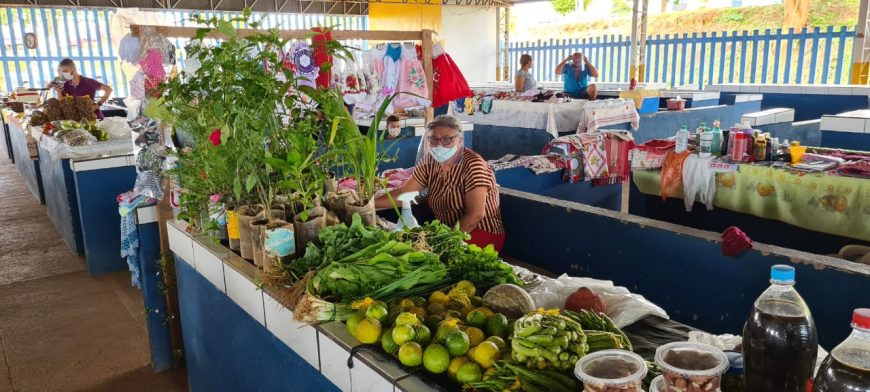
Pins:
x,y
462,187
394,126
523,80
76,85
576,76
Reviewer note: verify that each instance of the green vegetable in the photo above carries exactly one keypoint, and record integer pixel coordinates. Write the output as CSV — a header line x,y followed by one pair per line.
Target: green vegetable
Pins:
x,y
483,267
599,322
509,375
548,341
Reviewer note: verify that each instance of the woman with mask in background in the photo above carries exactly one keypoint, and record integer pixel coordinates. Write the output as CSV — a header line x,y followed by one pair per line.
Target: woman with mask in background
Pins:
x,y
76,85
462,187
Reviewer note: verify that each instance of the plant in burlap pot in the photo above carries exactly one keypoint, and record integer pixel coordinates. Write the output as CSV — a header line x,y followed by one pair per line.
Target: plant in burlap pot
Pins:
x,y
307,229
233,229
245,215
257,226
216,218
279,244
359,156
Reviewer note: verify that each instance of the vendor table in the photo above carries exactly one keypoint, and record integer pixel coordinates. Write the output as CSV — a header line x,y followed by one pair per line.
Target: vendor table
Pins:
x,y
6,143
241,337
818,202
24,148
98,182
60,199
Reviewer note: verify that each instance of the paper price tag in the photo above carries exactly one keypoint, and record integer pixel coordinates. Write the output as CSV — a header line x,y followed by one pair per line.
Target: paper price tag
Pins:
x,y
723,167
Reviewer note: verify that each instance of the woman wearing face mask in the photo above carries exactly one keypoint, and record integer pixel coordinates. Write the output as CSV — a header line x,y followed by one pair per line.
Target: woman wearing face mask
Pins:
x,y
76,85
462,187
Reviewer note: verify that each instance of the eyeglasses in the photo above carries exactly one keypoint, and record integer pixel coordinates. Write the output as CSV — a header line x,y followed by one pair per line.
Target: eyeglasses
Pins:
x,y
444,141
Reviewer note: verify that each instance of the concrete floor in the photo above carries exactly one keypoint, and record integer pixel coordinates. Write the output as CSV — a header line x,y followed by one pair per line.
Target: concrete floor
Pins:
x,y
60,329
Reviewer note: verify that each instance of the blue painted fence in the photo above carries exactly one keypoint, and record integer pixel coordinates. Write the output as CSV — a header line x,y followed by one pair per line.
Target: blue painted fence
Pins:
x,y
808,56
84,35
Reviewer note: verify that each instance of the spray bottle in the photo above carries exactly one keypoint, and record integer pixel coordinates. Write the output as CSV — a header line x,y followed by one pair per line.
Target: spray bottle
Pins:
x,y
407,220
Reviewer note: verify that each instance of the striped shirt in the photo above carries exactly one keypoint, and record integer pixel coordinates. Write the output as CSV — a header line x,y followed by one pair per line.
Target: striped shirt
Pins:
x,y
447,190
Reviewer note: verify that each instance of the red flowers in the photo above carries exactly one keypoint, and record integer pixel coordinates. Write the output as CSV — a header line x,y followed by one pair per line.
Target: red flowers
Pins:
x,y
215,137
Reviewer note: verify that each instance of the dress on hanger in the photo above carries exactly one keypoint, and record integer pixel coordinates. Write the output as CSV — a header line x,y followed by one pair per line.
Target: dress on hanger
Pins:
x,y
412,87
449,83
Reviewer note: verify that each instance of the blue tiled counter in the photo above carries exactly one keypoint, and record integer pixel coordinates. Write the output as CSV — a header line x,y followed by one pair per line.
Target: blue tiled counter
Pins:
x,y
60,199
98,182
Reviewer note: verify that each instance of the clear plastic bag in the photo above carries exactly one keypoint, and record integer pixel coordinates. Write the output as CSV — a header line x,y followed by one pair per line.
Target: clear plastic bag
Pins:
x,y
78,137
623,306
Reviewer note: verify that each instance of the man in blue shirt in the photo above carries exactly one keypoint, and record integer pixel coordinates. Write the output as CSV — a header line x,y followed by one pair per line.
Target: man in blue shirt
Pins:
x,y
575,76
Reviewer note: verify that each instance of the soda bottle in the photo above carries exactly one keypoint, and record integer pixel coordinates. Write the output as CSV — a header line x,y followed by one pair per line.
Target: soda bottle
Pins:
x,y
847,367
780,342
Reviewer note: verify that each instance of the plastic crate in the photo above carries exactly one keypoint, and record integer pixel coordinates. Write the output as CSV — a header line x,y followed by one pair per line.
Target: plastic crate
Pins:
x,y
674,104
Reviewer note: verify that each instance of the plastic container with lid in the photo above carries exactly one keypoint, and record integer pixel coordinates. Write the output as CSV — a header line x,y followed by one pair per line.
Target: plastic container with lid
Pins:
x,y
658,385
847,367
611,370
691,366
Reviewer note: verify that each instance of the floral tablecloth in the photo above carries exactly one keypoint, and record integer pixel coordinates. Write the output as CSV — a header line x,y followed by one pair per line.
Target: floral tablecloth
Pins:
x,y
819,202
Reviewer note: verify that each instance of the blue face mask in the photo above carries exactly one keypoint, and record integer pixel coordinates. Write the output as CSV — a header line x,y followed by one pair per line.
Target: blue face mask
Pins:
x,y
442,154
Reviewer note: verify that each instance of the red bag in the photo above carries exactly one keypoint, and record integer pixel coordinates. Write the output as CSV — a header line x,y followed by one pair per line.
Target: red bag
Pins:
x,y
450,85
321,55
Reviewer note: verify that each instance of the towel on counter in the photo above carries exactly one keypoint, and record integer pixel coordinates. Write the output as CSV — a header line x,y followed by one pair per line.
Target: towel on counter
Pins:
x,y
618,146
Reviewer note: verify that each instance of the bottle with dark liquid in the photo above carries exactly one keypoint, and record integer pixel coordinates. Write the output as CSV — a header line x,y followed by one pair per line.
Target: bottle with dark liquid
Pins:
x,y
779,339
847,367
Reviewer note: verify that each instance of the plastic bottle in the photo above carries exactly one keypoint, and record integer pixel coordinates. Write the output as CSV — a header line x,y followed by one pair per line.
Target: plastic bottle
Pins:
x,y
759,147
682,139
734,131
407,219
749,137
768,146
780,342
716,147
847,367
738,147
706,145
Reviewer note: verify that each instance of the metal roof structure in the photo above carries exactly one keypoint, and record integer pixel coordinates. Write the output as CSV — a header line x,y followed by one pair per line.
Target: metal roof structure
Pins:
x,y
334,7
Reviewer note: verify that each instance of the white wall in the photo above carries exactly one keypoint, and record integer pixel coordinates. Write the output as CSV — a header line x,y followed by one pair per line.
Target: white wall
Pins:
x,y
470,38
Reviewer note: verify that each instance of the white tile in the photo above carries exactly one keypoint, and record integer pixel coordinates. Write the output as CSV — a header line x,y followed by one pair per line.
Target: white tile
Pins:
x,y
765,119
100,163
863,90
741,98
841,124
713,87
840,90
300,337
756,97
750,89
244,293
334,364
145,215
866,126
785,116
180,243
210,266
365,379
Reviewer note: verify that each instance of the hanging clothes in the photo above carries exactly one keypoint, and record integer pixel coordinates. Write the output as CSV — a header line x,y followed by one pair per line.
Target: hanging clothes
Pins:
x,y
618,145
672,173
412,87
322,56
699,181
449,83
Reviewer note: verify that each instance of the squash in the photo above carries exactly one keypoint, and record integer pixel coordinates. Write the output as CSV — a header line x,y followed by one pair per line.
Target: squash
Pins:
x,y
509,299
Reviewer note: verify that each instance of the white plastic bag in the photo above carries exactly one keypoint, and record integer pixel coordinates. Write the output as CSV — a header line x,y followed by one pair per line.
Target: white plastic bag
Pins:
x,y
116,127
623,307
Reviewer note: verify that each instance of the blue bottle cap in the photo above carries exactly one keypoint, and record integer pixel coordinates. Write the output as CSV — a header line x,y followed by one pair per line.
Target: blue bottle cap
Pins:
x,y
782,273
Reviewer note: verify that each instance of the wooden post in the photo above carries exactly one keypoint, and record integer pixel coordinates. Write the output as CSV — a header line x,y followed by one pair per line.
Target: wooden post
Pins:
x,y
427,69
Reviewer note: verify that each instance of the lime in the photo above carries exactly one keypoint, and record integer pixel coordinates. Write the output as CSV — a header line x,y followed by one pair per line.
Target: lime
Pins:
x,y
499,342
498,325
466,286
407,318
475,335
353,323
485,353
436,359
453,368
432,321
368,331
435,308
387,342
469,372
403,333
457,343
379,311
422,334
406,304
411,354
420,312
438,297
475,318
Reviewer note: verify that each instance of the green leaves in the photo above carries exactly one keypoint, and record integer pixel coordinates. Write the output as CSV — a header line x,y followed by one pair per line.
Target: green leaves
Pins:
x,y
227,29
250,182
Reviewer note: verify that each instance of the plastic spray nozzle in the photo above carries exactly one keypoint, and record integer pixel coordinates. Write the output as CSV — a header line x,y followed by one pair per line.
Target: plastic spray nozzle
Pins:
x,y
407,218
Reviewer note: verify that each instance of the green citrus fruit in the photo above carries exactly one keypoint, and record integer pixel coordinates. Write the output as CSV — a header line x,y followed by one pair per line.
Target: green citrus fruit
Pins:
x,y
498,325
353,323
457,343
469,372
403,333
387,342
436,359
422,334
368,331
411,354
475,318
407,318
379,311
499,342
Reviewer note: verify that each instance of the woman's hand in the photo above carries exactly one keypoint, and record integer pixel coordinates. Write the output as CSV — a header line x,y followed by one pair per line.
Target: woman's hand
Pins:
x,y
387,200
475,209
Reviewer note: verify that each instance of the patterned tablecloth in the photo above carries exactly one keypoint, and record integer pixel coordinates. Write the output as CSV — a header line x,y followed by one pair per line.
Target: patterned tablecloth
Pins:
x,y
819,202
551,117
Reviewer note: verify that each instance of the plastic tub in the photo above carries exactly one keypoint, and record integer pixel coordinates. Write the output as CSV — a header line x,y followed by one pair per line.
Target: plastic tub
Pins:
x,y
691,366
658,385
611,371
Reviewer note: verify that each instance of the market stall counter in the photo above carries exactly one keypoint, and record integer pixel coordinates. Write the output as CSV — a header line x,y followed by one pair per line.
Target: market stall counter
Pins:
x,y
815,212
6,143
25,150
230,323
